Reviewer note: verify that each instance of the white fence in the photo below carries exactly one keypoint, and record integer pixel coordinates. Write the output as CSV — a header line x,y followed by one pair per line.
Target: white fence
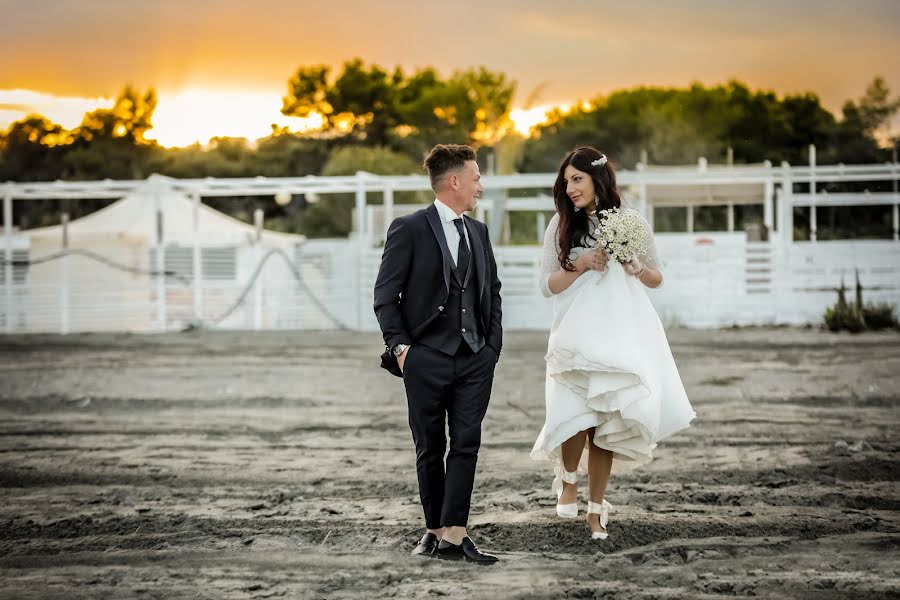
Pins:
x,y
711,280
138,283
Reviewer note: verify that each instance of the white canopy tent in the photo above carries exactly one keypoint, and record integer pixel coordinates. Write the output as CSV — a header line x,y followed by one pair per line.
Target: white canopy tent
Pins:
x,y
114,265
158,207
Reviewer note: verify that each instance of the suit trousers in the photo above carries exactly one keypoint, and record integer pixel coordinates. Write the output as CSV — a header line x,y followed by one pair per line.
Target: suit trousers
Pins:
x,y
452,393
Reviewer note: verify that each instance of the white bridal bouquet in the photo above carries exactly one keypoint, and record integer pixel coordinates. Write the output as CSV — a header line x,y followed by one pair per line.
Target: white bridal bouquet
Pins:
x,y
621,234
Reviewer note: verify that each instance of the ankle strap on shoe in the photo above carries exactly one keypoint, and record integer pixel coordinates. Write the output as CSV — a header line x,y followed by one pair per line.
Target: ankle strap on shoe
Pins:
x,y
569,477
601,509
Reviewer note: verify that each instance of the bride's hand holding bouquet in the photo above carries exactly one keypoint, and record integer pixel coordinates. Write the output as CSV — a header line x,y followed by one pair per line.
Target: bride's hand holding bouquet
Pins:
x,y
622,236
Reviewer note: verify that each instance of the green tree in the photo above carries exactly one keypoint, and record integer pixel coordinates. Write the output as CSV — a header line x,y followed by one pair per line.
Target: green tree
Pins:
x,y
856,137
409,114
677,125
805,121
489,99
876,107
286,154
363,100
307,90
426,107
31,148
111,143
130,118
331,215
358,103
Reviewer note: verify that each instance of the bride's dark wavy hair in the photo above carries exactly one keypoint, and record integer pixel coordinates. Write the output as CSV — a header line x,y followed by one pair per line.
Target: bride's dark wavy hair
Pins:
x,y
573,225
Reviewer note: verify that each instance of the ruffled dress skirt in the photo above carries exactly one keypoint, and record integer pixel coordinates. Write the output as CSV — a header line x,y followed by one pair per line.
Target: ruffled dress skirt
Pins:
x,y
609,367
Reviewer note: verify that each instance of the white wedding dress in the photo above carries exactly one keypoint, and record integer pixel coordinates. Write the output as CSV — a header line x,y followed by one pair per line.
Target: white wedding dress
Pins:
x,y
608,365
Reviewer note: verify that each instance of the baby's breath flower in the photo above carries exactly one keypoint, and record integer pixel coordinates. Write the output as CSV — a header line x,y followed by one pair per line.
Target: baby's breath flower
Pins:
x,y
621,234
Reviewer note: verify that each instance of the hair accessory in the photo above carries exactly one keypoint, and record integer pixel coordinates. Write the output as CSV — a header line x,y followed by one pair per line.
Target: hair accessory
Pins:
x,y
600,161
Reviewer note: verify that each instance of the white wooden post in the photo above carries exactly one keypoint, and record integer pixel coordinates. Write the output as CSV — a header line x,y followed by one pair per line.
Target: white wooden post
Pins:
x,y
506,232
812,193
65,291
358,270
362,244
768,197
388,207
896,214
8,256
690,218
195,259
786,204
646,209
360,205
730,217
258,286
160,266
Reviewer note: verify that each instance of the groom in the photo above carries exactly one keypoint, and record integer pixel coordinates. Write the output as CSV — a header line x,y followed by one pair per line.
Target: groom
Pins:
x,y
437,299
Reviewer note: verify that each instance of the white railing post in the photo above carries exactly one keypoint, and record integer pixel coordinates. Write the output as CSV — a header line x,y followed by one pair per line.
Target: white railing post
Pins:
x,y
896,213
388,207
197,263
362,244
645,209
160,266
768,198
813,224
361,204
257,256
777,272
65,286
786,204
8,255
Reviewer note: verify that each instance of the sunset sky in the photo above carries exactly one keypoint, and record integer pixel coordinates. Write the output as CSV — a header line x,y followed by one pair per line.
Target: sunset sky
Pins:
x,y
221,67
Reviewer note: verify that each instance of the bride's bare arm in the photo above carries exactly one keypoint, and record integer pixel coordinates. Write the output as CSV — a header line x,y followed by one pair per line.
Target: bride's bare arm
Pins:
x,y
554,279
647,267
646,274
560,280
651,277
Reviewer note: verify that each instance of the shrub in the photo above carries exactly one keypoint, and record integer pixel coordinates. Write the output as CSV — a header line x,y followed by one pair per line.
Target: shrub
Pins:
x,y
857,316
879,316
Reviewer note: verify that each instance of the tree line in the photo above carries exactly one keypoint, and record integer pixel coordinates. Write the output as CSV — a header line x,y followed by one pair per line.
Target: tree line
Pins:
x,y
384,122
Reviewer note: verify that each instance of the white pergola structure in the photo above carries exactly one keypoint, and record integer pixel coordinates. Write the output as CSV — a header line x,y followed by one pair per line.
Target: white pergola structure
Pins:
x,y
647,187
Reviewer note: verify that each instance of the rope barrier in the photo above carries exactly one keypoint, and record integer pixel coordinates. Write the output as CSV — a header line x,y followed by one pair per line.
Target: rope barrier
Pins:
x,y
186,281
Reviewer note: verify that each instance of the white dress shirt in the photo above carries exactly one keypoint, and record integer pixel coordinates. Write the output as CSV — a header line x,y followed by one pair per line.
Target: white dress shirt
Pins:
x,y
450,232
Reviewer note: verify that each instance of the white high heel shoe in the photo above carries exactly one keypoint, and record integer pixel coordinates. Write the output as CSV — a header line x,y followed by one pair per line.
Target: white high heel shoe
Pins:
x,y
567,511
601,509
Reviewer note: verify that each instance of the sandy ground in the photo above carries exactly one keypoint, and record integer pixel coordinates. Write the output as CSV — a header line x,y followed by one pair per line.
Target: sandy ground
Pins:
x,y
280,465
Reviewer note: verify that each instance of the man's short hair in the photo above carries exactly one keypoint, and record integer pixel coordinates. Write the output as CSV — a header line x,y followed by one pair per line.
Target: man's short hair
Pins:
x,y
447,158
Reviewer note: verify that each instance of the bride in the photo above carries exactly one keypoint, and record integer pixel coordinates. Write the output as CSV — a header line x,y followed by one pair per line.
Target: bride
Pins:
x,y
612,388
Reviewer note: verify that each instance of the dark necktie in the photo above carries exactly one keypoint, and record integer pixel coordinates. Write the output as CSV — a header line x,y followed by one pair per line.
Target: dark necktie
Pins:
x,y
462,255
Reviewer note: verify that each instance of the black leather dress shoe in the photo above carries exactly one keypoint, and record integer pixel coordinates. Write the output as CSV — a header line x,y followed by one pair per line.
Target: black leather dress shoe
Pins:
x,y
467,551
427,545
